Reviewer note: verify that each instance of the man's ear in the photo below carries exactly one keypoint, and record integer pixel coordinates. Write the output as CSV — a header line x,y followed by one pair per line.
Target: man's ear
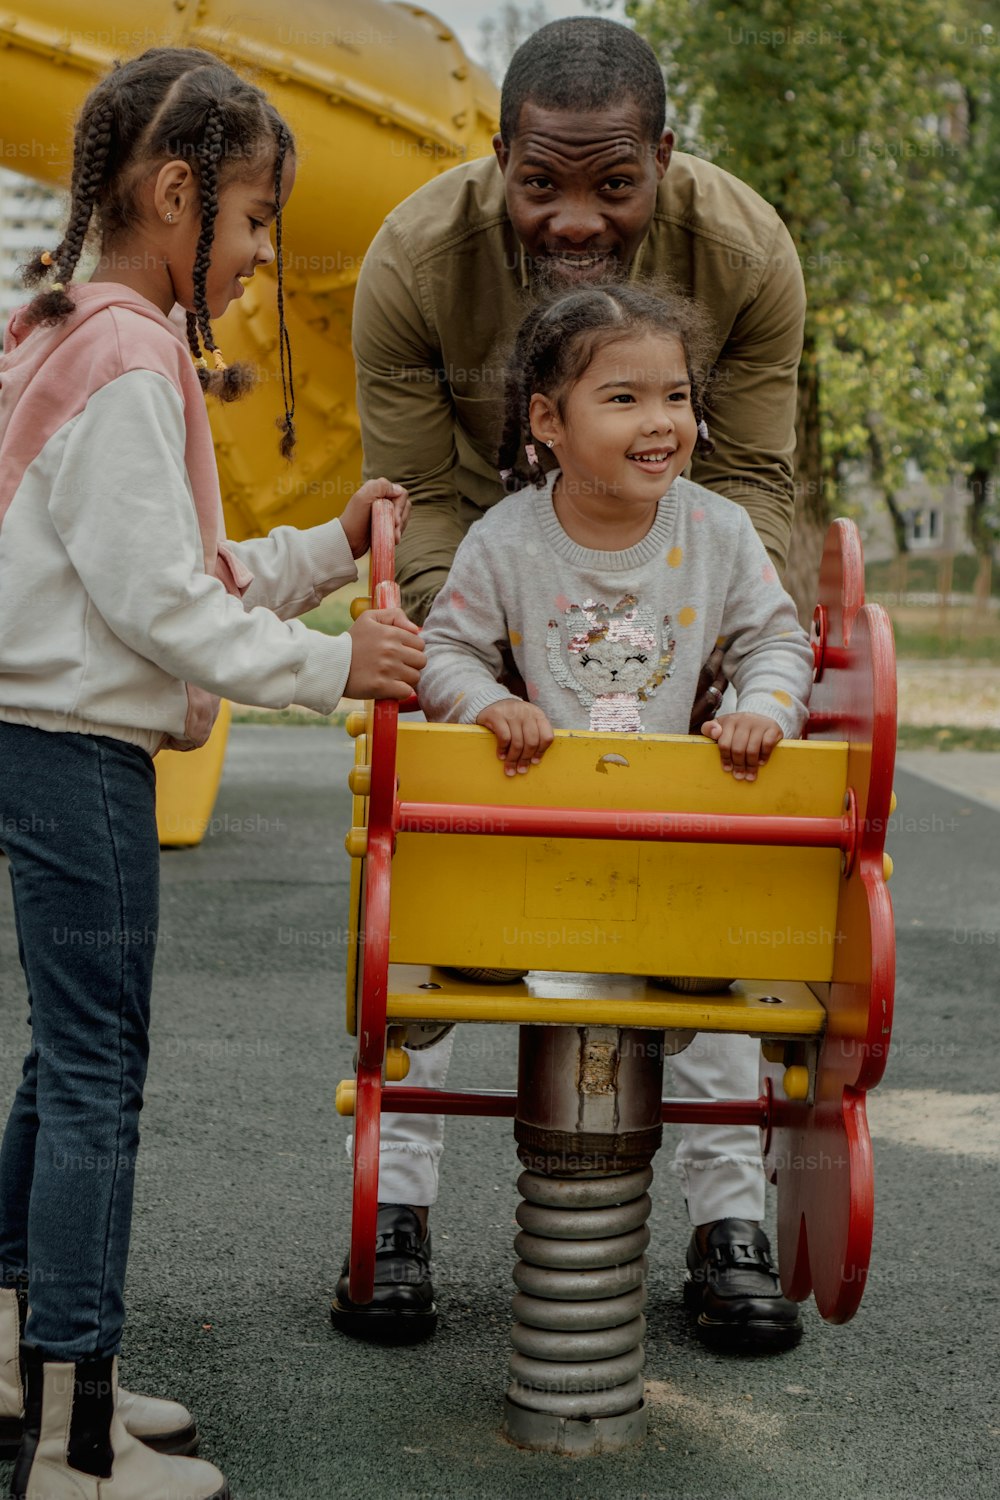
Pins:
x,y
501,152
544,419
664,148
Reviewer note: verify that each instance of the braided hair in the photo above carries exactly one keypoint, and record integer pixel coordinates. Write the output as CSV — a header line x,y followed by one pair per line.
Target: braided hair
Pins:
x,y
170,103
559,338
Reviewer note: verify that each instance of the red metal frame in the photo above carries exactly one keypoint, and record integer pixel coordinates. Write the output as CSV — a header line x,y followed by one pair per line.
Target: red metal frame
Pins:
x,y
818,1153
651,826
375,958
502,1104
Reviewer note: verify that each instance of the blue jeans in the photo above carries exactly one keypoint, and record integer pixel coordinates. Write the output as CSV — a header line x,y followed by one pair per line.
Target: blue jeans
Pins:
x,y
78,823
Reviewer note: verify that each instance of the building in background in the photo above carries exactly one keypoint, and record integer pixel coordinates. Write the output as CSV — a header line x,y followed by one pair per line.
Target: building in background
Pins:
x,y
935,514
30,217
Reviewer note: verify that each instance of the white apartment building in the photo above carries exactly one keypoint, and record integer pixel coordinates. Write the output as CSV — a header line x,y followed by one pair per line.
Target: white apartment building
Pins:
x,y
31,216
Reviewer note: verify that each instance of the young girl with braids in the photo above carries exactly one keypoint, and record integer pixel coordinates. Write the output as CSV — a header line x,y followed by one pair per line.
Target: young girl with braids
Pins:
x,y
123,612
609,577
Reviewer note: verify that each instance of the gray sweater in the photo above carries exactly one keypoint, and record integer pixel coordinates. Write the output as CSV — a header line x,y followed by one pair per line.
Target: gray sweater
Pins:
x,y
615,640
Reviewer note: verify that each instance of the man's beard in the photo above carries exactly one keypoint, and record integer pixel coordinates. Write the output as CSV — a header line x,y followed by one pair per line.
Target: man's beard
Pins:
x,y
547,274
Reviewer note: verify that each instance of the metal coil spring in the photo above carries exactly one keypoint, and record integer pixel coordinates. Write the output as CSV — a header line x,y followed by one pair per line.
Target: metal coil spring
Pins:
x,y
581,1291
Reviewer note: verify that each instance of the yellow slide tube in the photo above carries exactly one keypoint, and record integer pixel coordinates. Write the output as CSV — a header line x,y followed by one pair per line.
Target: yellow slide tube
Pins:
x,y
380,99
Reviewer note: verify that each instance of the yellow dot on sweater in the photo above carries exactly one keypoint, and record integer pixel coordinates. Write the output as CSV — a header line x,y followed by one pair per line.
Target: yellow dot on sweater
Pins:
x,y
675,557
783,698
515,637
687,615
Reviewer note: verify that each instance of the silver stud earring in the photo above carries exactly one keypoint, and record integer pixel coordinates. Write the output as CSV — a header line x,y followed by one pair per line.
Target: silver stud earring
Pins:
x,y
549,442
169,218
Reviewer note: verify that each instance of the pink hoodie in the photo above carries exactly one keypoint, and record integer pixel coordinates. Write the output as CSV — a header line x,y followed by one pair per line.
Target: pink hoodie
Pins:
x,y
48,375
110,605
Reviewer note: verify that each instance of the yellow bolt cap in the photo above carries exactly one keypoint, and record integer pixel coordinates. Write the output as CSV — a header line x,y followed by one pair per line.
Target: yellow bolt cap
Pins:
x,y
397,1064
796,1083
347,1091
892,803
359,779
356,843
359,605
356,722
887,867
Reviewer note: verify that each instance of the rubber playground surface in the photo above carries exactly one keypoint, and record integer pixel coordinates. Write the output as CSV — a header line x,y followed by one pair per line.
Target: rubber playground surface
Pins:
x,y
243,1192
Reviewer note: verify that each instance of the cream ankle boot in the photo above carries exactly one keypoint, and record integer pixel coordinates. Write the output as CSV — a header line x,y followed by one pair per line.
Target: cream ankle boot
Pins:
x,y
76,1447
166,1426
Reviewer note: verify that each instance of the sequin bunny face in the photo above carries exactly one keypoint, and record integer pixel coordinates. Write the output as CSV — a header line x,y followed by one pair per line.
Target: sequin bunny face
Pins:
x,y
613,657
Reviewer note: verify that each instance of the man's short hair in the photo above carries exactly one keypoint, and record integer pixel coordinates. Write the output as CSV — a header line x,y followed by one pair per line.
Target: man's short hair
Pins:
x,y
584,63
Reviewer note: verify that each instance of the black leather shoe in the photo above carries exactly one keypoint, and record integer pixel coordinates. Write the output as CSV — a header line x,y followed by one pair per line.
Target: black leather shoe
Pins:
x,y
735,1292
403,1310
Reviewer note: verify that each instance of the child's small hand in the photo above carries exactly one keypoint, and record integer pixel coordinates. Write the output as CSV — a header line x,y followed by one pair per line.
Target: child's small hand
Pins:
x,y
357,515
523,733
387,655
745,740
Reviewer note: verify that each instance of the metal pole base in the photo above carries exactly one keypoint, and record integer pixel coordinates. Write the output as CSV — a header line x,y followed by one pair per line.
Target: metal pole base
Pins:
x,y
544,1432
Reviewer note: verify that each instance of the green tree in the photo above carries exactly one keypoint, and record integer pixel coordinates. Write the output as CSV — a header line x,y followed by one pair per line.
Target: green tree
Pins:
x,y
861,125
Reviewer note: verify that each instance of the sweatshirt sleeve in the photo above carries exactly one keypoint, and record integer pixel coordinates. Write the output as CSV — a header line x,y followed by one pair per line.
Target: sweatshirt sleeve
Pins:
x,y
464,635
768,657
122,505
294,569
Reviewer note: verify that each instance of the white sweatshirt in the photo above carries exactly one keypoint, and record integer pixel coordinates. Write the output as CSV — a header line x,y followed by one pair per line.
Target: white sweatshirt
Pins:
x,y
119,595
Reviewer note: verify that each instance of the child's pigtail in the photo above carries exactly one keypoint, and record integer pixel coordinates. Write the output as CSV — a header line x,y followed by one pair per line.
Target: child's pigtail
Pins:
x,y
536,474
518,386
704,445
286,424
510,441
91,158
226,382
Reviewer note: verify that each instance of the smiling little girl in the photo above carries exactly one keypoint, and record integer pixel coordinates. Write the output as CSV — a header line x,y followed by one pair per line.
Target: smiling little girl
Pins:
x,y
610,578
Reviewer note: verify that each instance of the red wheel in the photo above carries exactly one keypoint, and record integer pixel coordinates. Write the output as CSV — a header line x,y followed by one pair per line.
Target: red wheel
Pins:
x,y
821,1154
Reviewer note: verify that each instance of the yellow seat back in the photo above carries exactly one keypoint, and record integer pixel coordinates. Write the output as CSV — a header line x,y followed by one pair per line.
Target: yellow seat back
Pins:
x,y
608,905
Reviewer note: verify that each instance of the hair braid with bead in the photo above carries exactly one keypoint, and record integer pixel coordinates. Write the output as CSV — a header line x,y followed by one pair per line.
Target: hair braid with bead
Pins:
x,y
560,336
91,149
286,424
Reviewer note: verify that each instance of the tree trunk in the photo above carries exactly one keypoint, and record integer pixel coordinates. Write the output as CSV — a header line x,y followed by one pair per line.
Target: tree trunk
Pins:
x,y
892,505
980,534
898,522
812,507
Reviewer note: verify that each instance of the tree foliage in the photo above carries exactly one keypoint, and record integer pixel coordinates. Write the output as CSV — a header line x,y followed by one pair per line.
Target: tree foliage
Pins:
x,y
872,132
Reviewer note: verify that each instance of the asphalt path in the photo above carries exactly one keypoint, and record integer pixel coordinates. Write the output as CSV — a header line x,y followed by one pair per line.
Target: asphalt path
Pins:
x,y
243,1192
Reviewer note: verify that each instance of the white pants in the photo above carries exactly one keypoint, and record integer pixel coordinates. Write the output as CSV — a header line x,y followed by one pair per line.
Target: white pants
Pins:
x,y
719,1166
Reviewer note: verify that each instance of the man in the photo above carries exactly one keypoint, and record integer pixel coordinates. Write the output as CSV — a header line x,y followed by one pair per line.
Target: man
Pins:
x,y
584,187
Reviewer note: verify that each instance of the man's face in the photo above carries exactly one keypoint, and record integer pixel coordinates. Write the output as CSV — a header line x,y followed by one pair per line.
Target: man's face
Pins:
x,y
581,190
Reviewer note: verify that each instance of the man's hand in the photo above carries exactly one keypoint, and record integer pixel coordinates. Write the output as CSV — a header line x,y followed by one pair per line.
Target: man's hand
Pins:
x,y
357,515
522,731
745,740
711,686
387,654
